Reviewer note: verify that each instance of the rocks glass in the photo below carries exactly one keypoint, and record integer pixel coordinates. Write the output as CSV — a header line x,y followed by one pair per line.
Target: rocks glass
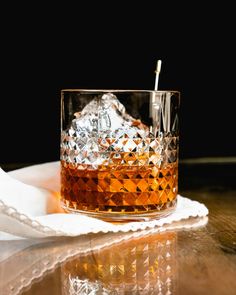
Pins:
x,y
119,153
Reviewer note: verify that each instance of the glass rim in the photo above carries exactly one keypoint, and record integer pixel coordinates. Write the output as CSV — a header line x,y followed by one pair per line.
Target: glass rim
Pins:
x,y
119,90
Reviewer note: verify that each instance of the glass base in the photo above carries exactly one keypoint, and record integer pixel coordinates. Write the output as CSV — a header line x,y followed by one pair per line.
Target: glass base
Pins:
x,y
126,217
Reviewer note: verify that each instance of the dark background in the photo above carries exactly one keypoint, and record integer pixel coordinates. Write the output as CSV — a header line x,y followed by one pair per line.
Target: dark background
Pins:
x,y
45,51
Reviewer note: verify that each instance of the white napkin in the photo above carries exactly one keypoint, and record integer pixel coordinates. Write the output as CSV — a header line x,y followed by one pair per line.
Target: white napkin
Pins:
x,y
28,200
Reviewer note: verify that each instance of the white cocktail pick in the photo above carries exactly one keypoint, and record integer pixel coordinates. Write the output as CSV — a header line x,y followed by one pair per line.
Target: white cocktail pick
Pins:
x,y
158,70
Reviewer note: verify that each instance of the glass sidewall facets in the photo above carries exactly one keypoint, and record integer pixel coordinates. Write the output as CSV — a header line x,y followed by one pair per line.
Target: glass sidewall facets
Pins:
x,y
119,153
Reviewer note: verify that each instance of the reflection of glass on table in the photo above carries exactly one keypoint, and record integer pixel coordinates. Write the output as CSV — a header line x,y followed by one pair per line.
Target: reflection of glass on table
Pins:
x,y
140,266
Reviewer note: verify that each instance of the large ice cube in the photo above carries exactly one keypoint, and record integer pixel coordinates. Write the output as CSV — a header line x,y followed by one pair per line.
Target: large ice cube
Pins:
x,y
105,119
102,115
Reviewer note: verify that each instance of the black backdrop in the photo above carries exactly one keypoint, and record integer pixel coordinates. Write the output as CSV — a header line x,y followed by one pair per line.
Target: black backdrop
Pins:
x,y
46,51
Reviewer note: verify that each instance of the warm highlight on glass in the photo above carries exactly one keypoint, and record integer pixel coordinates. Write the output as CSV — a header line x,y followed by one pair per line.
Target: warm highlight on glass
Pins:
x,y
119,153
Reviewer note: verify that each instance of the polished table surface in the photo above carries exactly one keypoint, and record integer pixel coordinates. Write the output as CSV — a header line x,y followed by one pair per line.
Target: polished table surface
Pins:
x,y
200,260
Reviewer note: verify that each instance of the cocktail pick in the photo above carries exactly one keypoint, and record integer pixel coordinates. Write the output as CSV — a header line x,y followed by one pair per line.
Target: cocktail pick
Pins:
x,y
158,70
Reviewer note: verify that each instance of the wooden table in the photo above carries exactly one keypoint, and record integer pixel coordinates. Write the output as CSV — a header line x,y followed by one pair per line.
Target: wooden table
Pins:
x,y
196,261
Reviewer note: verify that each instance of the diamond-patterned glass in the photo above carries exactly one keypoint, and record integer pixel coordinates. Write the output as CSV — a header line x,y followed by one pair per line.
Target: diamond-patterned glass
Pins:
x,y
112,162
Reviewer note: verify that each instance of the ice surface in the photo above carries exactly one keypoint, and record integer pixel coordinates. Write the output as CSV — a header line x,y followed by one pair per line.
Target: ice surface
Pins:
x,y
91,133
103,114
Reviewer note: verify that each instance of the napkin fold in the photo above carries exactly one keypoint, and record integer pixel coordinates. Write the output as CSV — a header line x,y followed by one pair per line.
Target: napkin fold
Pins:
x,y
29,208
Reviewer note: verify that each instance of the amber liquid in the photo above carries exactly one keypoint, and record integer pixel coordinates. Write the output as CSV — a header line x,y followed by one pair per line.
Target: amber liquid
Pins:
x,y
118,188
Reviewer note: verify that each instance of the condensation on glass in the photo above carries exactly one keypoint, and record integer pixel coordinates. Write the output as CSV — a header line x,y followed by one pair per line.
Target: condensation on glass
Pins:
x,y
119,153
